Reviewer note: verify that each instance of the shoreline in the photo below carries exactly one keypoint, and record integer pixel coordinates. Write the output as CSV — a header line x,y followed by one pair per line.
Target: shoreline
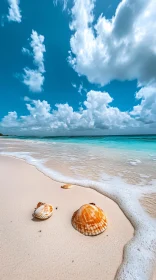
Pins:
x,y
128,201
29,249
117,149
134,168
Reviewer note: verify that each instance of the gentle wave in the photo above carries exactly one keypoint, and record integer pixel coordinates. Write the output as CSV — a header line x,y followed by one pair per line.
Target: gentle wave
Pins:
x,y
125,142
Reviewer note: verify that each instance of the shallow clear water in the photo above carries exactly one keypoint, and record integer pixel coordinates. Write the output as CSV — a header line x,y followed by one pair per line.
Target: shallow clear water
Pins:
x,y
132,158
145,143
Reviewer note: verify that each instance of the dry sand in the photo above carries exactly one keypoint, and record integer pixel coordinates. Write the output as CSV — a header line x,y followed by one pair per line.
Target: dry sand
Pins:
x,y
53,249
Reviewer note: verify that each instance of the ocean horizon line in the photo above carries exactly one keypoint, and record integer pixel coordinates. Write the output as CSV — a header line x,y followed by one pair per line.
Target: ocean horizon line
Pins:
x,y
79,136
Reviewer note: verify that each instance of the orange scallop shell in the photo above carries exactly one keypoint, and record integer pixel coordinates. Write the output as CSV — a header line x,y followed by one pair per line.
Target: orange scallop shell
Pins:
x,y
67,186
43,211
89,220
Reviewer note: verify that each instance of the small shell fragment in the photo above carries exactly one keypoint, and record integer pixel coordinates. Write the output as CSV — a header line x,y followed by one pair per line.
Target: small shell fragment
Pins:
x,y
67,186
43,211
89,220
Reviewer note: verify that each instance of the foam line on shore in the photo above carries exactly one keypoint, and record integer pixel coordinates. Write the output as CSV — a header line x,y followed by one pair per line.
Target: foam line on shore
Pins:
x,y
140,252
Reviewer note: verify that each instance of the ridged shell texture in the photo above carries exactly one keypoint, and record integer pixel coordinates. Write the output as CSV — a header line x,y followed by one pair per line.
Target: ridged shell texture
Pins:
x,y
89,220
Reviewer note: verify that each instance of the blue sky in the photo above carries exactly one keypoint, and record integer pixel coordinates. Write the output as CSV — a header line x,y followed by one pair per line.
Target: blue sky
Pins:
x,y
93,73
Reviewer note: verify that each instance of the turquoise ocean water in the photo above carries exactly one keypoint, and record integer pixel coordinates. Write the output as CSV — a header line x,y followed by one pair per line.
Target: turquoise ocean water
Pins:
x,y
145,143
132,158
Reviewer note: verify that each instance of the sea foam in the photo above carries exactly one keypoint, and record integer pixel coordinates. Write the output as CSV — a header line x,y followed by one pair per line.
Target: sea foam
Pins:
x,y
140,252
134,162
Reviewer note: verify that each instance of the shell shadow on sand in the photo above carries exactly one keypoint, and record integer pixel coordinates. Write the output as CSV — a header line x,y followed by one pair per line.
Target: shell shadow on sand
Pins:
x,y
35,219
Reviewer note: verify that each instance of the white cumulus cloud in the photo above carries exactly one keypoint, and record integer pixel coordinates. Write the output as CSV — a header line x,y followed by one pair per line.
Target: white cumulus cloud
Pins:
x,y
10,120
146,110
96,115
38,47
34,78
14,13
120,48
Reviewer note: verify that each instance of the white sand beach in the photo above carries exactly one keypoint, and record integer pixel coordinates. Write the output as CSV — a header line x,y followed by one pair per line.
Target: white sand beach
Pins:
x,y
53,249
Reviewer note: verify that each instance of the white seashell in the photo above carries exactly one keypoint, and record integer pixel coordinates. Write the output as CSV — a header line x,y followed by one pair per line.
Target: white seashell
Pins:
x,y
43,211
